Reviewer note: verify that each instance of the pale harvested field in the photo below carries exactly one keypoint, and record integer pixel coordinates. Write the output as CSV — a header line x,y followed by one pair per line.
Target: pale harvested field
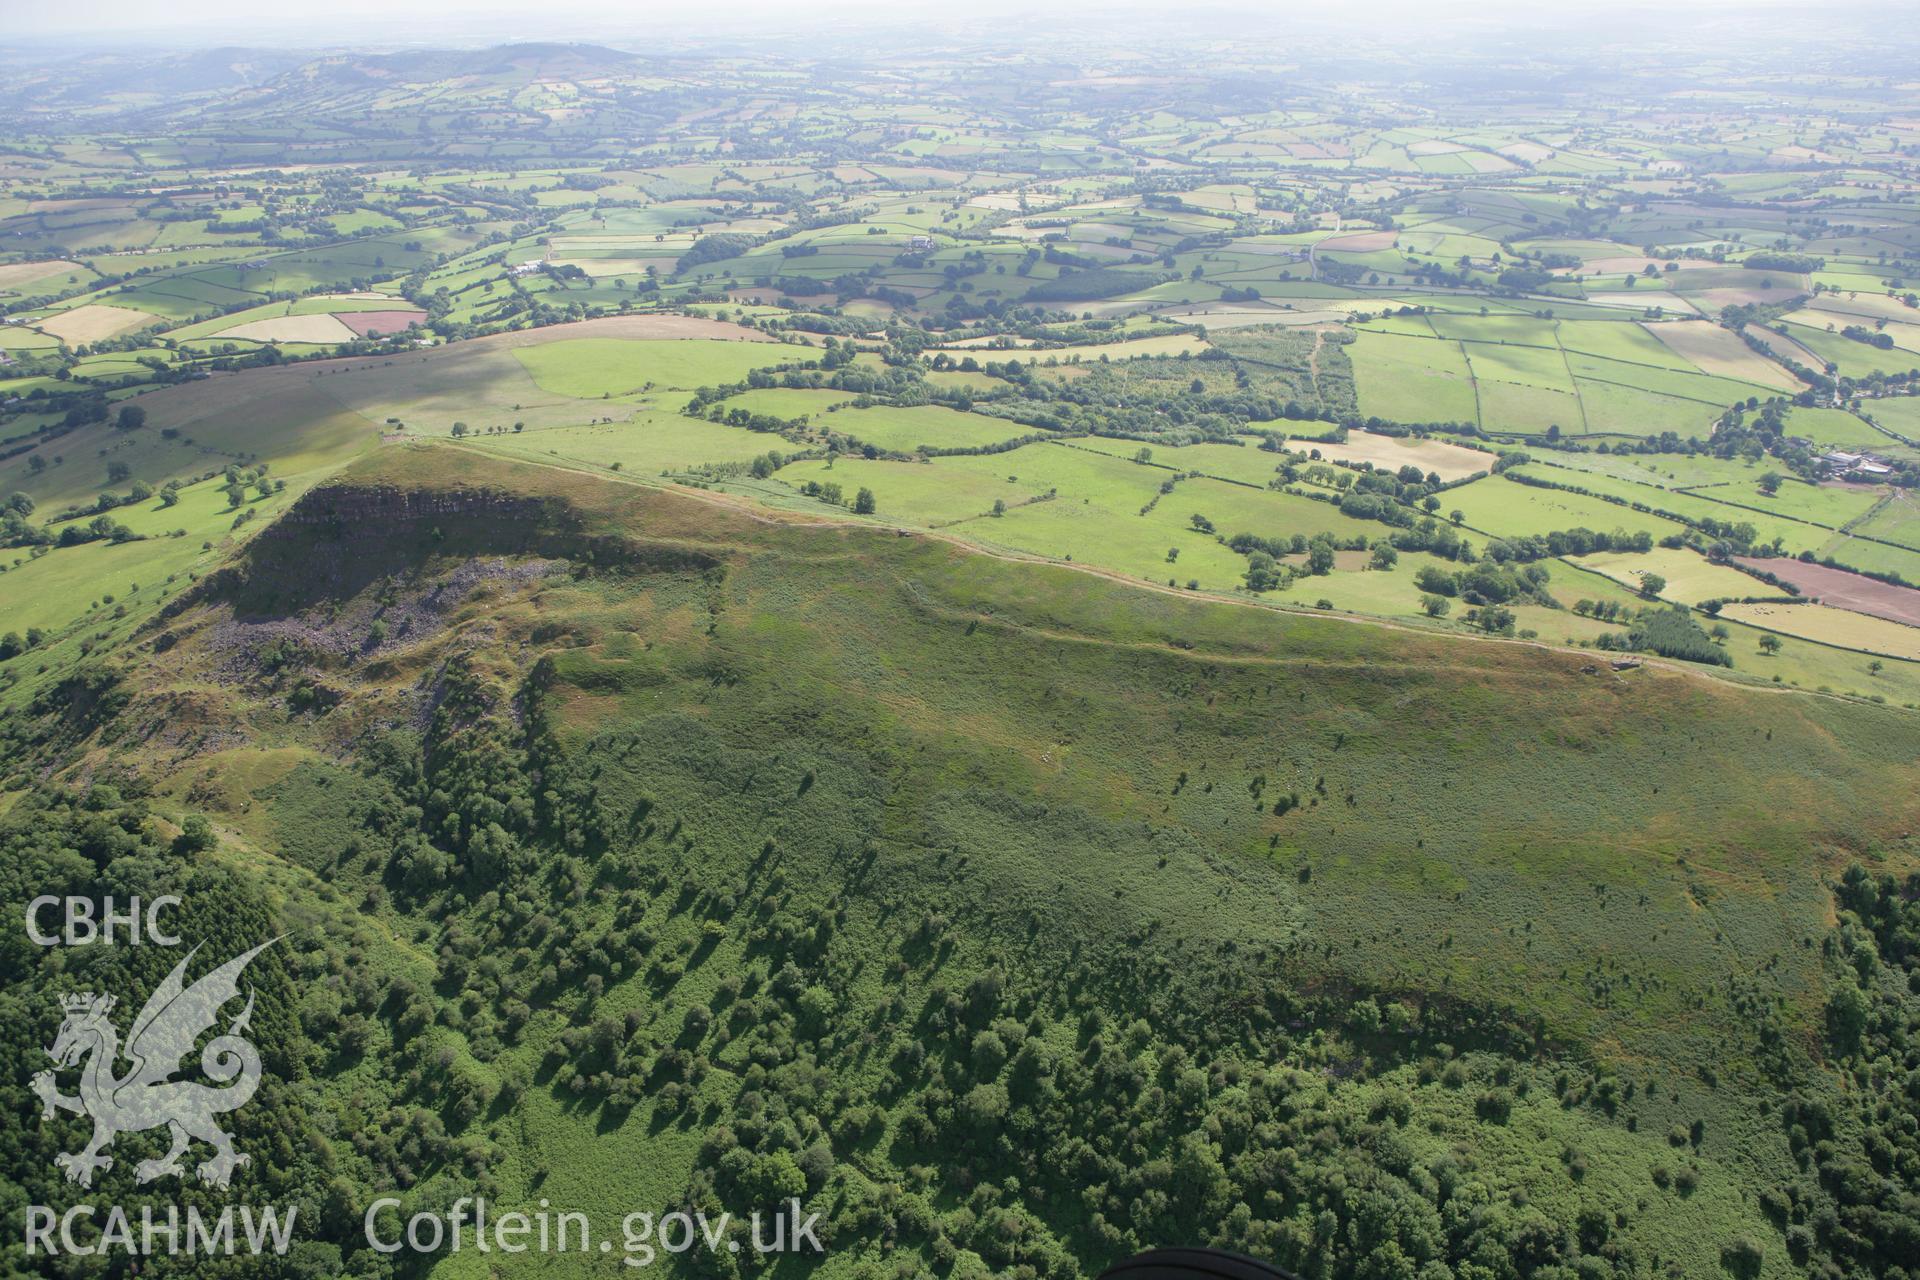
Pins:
x,y
1716,299
1162,344
599,267
1231,315
1787,348
1394,452
93,322
1359,241
967,344
323,329
643,326
1641,301
1829,625
14,274
1905,336
1526,152
1803,153
1718,351
1856,308
1636,264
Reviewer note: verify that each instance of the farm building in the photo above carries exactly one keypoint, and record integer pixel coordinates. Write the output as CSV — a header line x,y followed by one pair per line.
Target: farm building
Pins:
x,y
1862,465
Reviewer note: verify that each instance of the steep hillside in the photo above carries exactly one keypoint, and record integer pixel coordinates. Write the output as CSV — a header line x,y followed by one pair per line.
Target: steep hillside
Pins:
x,y
638,849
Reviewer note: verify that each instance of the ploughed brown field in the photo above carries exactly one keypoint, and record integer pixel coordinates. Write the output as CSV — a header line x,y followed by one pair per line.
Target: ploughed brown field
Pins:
x,y
1844,590
367,323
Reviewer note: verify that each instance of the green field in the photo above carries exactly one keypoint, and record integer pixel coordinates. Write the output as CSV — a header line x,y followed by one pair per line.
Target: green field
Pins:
x,y
1727,504
1833,429
1900,415
1689,578
1244,461
933,494
590,368
1506,508
278,417
1507,407
647,443
787,402
1411,379
1834,506
904,430
1897,520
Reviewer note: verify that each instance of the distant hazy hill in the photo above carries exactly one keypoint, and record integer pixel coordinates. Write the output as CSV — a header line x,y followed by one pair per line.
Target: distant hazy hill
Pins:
x,y
235,81
104,80
526,62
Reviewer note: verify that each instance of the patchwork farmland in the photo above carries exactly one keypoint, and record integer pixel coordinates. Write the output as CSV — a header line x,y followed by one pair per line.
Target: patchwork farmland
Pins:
x,y
1038,647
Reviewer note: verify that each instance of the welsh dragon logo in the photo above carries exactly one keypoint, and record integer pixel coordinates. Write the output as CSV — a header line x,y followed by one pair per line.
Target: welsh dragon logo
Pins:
x,y
146,1096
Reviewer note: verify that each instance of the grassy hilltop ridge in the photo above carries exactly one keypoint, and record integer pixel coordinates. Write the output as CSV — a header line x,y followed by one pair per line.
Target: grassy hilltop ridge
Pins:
x,y
728,843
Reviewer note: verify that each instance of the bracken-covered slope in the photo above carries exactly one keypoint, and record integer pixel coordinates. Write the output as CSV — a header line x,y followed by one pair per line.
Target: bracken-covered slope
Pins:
x,y
636,849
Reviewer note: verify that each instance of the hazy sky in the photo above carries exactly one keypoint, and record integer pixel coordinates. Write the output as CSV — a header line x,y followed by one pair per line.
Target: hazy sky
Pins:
x,y
344,22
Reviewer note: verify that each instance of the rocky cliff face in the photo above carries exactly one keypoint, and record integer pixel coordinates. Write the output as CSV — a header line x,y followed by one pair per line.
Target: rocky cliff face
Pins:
x,y
340,537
